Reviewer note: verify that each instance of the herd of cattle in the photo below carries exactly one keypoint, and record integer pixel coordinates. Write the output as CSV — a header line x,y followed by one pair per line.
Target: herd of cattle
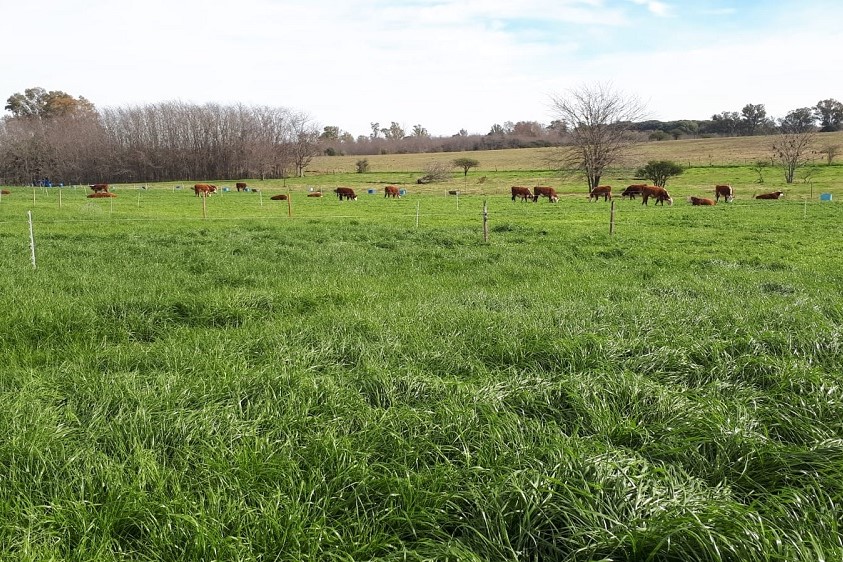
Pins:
x,y
647,192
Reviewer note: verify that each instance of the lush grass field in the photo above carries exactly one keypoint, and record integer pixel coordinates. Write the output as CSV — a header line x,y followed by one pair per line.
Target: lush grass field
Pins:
x,y
345,385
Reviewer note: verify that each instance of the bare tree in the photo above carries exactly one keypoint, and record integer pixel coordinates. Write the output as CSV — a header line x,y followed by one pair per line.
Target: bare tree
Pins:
x,y
831,151
790,147
303,139
600,120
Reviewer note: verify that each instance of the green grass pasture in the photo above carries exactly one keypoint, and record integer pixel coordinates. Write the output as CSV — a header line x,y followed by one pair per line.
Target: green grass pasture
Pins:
x,y
370,380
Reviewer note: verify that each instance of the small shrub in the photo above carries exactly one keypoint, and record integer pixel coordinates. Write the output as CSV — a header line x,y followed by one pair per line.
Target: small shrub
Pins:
x,y
362,166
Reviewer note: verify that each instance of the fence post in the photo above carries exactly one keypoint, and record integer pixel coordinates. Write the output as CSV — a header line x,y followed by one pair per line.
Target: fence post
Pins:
x,y
612,219
204,207
31,238
289,204
417,213
485,222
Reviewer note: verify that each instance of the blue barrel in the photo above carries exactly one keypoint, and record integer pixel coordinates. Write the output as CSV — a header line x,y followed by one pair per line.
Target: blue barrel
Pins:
x,y
402,192
371,191
825,196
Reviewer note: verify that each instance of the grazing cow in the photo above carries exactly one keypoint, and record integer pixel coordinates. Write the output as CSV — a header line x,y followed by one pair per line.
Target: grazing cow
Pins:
x,y
241,186
99,187
773,195
279,197
604,190
523,192
701,201
633,190
315,194
725,191
548,192
204,189
391,191
346,193
100,194
660,194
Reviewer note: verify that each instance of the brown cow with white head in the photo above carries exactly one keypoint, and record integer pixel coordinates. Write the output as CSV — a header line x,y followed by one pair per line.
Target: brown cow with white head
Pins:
x,y
604,191
346,193
724,191
773,195
544,191
660,194
523,192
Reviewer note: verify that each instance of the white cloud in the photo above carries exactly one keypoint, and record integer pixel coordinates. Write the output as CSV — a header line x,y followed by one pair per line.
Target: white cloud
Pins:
x,y
655,7
444,64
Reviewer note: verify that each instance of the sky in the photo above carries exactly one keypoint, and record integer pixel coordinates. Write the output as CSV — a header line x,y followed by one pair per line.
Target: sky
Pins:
x,y
446,65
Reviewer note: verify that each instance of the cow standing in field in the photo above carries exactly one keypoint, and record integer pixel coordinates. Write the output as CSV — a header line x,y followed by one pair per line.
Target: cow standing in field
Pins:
x,y
544,191
204,189
633,190
773,195
601,190
701,201
240,186
523,192
660,194
99,187
346,193
724,191
391,191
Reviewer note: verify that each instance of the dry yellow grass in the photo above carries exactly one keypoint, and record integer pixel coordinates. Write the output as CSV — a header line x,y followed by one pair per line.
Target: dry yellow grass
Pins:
x,y
691,152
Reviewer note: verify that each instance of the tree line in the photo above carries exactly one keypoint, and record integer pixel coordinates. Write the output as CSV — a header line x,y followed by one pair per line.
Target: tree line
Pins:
x,y
52,135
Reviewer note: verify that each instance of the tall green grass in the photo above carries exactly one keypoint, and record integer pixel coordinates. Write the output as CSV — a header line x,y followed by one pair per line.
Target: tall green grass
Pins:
x,y
344,385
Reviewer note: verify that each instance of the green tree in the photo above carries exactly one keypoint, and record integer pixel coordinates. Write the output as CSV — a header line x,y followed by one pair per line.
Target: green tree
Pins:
x,y
330,132
420,132
466,164
394,132
752,117
38,102
658,171
830,115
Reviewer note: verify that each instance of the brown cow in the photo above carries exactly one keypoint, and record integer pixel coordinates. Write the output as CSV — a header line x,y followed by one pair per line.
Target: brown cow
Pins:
x,y
604,190
701,201
660,194
99,187
241,186
548,192
346,193
204,189
279,197
100,194
725,191
391,191
523,192
5,192
633,190
315,194
773,195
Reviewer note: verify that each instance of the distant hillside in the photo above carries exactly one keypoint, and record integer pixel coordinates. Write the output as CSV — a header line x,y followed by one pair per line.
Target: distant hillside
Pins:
x,y
723,151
